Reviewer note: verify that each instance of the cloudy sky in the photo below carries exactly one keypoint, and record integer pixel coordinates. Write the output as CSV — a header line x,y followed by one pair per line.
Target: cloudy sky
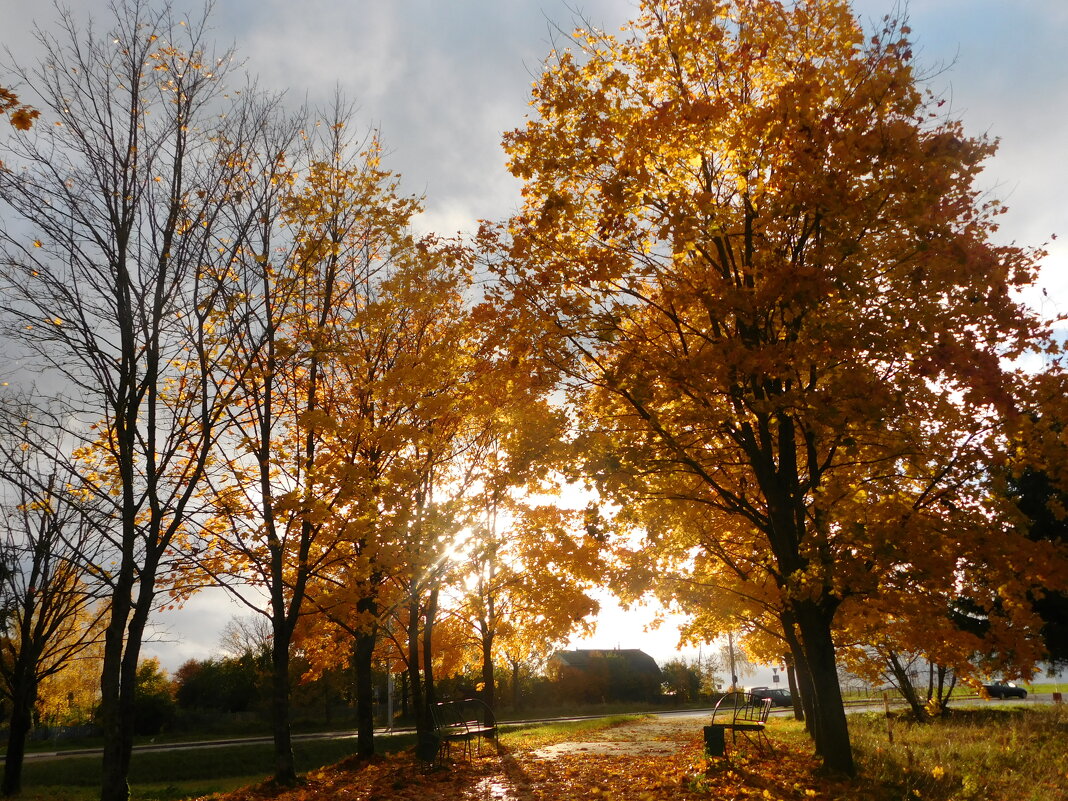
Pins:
x,y
442,79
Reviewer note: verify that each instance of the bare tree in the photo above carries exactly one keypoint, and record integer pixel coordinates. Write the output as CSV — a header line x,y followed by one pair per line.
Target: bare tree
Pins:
x,y
127,209
49,613
247,636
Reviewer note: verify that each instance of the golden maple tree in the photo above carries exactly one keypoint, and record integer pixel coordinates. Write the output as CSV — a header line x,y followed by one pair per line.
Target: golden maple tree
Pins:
x,y
401,400
344,425
751,244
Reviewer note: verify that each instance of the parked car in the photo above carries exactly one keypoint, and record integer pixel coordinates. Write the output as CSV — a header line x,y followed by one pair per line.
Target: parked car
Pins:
x,y
1004,689
778,697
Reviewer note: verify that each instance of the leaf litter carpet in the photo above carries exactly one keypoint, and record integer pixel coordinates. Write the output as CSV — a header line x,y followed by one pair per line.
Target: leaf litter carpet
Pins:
x,y
647,760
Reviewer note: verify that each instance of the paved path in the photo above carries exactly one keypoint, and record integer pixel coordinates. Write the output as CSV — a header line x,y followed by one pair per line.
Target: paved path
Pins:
x,y
664,734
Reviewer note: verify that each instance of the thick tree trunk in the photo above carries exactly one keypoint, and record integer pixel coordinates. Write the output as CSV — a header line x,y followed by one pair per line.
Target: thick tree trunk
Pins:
x,y
830,730
24,696
362,656
113,785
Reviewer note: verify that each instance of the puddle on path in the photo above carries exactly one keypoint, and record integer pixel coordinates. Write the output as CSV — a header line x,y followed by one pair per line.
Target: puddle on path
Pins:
x,y
493,788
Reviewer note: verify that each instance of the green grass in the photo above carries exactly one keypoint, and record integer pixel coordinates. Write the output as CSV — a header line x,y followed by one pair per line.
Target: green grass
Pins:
x,y
1046,687
1002,753
170,775
534,735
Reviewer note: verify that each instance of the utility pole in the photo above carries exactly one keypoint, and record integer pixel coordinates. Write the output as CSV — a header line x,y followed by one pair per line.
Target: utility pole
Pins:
x,y
730,652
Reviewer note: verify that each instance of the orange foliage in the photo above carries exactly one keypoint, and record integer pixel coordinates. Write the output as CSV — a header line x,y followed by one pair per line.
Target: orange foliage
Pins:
x,y
21,116
753,244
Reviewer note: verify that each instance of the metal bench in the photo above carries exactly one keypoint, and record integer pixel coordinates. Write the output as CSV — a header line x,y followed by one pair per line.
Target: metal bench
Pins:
x,y
466,722
737,713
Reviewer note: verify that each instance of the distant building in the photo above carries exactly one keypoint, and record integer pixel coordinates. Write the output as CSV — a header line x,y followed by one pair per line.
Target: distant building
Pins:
x,y
596,675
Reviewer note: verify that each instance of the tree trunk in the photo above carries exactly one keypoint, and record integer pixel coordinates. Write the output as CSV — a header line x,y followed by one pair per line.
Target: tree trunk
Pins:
x,y
428,650
489,695
795,693
364,650
420,709
943,693
285,770
830,730
904,683
515,686
118,682
24,696
113,785
804,678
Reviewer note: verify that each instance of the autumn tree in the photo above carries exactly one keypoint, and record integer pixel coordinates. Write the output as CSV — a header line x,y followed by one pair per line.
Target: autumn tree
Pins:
x,y
408,410
70,696
751,244
350,325
48,612
453,436
526,584
131,205
682,680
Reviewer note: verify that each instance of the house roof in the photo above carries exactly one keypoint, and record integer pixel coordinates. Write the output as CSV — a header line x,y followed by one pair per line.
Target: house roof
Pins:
x,y
584,658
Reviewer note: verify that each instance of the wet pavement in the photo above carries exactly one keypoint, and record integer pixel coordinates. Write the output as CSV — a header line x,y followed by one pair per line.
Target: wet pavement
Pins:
x,y
662,735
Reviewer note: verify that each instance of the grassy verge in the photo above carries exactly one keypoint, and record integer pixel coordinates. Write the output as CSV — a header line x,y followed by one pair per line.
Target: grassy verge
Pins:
x,y
177,774
970,754
537,735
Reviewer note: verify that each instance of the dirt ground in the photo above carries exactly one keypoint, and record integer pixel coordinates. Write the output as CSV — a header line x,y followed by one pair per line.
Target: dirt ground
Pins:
x,y
660,736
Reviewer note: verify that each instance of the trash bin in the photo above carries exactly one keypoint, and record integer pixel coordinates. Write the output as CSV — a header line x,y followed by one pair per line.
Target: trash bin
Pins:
x,y
715,743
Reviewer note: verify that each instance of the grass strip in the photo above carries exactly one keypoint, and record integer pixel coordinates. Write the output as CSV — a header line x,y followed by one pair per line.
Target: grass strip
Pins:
x,y
186,773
